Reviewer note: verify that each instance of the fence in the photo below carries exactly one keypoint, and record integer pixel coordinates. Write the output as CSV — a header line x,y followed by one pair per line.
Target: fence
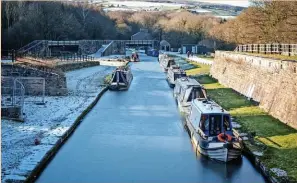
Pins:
x,y
76,58
34,89
12,92
8,55
275,48
108,50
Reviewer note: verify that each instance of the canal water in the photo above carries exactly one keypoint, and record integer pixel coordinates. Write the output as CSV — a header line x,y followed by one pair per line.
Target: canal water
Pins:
x,y
137,136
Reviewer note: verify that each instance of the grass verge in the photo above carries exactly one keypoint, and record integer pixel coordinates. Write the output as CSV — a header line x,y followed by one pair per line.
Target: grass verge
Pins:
x,y
107,79
207,57
199,69
277,141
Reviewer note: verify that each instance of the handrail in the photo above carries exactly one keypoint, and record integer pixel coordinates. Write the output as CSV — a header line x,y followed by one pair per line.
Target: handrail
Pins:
x,y
33,46
28,45
274,48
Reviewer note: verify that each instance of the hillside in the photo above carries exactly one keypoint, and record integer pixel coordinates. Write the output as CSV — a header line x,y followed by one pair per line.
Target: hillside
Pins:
x,y
163,5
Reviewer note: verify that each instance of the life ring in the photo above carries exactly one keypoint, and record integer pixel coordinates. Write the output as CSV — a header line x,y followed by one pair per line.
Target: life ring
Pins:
x,y
222,137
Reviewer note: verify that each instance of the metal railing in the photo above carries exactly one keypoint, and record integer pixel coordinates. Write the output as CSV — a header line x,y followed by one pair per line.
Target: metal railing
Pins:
x,y
8,55
275,48
41,48
27,46
108,50
76,58
12,92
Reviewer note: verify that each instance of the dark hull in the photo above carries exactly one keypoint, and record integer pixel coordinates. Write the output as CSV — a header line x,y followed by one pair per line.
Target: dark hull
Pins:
x,y
120,86
224,152
171,85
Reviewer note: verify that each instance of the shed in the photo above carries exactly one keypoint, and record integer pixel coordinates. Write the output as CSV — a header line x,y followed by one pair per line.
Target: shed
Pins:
x,y
164,45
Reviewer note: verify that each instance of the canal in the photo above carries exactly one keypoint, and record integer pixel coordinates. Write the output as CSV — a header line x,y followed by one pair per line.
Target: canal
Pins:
x,y
137,136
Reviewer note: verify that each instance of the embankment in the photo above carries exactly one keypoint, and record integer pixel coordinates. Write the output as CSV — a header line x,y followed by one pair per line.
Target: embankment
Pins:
x,y
272,83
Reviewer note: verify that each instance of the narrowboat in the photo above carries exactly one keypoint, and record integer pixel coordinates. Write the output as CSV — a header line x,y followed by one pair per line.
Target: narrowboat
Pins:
x,y
121,78
135,57
173,73
210,129
166,63
161,57
186,89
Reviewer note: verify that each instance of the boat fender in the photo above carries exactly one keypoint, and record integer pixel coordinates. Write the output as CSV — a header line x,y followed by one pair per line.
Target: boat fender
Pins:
x,y
222,137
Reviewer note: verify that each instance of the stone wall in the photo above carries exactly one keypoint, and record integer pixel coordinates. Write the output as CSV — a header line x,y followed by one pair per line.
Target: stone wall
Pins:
x,y
55,82
78,65
272,83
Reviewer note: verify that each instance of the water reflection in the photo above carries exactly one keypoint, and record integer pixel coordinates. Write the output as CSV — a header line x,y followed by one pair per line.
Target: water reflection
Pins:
x,y
224,170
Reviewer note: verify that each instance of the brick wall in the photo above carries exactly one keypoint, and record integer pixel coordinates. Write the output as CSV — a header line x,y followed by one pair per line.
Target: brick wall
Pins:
x,y
272,83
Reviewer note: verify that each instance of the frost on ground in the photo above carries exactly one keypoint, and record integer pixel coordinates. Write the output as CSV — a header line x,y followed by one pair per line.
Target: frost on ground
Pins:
x,y
47,122
279,172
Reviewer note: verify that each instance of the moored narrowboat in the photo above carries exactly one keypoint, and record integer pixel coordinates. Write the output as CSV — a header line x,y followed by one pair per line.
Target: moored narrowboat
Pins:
x,y
121,78
173,73
186,89
166,63
135,57
162,56
210,129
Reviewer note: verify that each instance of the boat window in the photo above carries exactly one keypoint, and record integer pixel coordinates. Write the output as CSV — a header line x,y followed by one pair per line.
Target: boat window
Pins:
x,y
171,62
121,79
204,93
226,120
178,75
215,125
190,97
198,93
114,79
204,123
182,93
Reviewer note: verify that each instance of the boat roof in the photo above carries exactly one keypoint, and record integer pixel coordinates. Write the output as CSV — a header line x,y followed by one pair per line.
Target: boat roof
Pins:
x,y
208,106
177,70
122,68
174,67
186,82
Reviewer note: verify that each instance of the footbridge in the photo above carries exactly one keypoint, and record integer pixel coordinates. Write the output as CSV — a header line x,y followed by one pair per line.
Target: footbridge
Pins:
x,y
51,48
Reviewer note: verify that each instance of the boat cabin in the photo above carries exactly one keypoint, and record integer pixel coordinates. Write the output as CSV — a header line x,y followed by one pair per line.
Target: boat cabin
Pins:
x,y
162,57
210,118
186,89
166,63
173,73
121,78
135,57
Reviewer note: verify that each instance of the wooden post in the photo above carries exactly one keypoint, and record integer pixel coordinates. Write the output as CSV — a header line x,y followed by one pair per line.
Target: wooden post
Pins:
x,y
13,56
289,50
